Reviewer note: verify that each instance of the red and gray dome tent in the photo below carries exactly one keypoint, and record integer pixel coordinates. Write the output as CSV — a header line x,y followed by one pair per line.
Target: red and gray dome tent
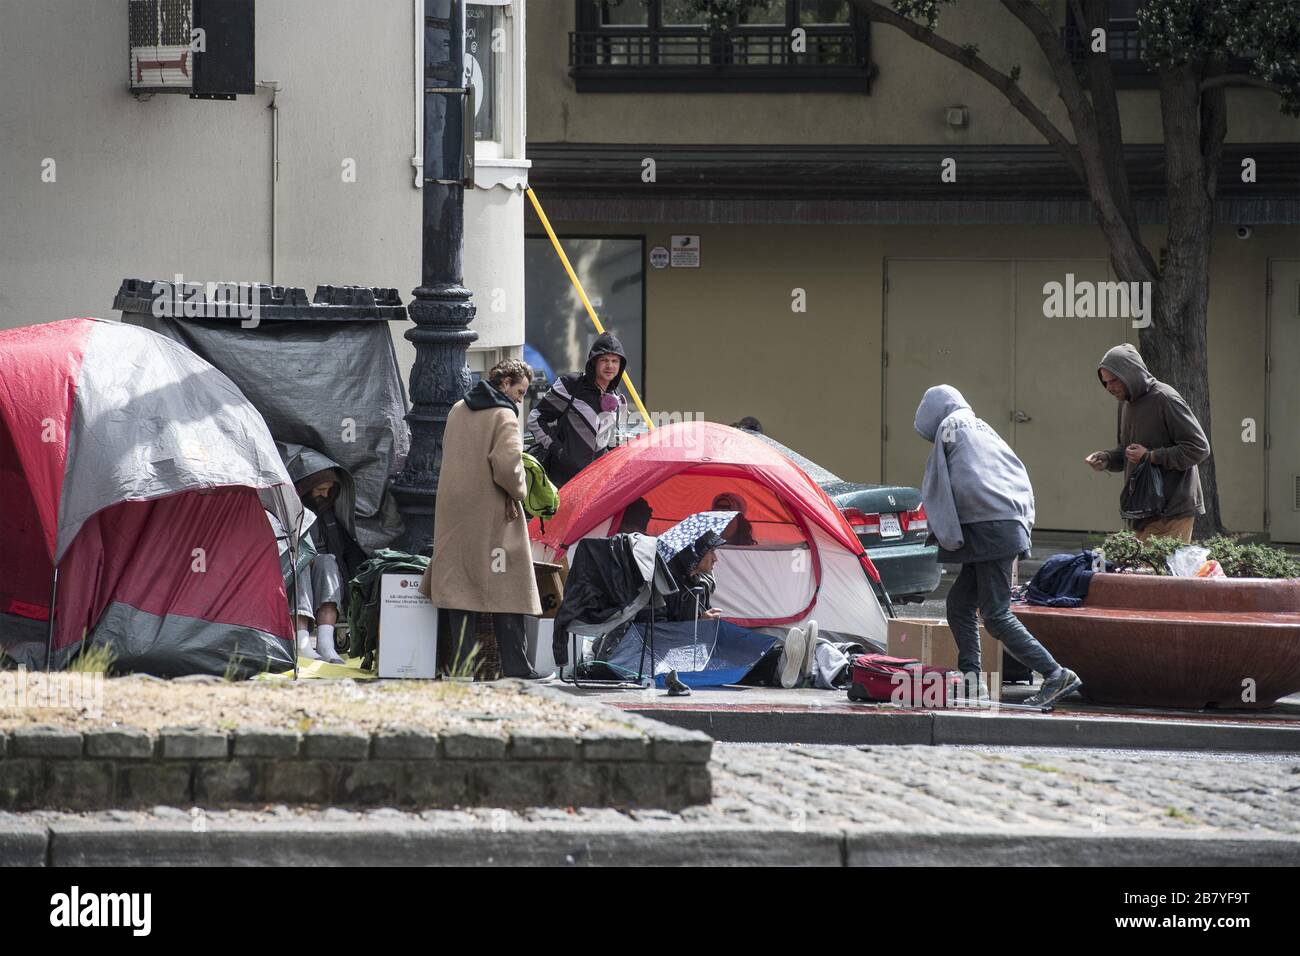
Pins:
x,y
806,563
143,475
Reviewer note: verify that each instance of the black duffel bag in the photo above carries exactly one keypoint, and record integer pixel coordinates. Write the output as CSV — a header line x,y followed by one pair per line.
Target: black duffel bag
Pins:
x,y
1144,492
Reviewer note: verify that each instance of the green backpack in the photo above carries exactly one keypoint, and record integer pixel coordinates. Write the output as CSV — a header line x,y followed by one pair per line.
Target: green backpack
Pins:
x,y
543,499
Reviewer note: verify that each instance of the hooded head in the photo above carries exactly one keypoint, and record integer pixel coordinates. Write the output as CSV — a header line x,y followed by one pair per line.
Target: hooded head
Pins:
x,y
937,404
729,501
606,344
1124,362
636,517
483,396
306,466
689,558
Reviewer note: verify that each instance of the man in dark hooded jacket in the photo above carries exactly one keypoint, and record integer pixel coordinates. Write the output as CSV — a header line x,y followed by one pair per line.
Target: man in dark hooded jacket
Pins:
x,y
326,489
578,419
1155,423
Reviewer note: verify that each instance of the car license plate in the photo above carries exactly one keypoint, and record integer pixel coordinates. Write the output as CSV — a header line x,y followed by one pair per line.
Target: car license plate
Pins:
x,y
889,526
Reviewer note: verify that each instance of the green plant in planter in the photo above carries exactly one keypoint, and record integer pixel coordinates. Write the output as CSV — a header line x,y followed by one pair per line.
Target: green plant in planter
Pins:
x,y
1237,560
1251,560
1124,548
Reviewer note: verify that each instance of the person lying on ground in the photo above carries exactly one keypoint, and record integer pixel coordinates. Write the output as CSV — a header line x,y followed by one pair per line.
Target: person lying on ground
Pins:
x,y
980,504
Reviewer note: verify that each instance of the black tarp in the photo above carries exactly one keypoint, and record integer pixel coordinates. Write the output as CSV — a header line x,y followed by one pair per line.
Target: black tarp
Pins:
x,y
333,386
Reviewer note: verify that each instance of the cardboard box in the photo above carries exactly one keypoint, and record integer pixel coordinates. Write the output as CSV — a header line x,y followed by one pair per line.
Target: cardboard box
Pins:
x,y
931,642
550,586
408,629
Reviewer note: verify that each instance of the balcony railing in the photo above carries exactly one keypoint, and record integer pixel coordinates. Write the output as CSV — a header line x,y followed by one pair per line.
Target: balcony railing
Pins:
x,y
1124,47
741,60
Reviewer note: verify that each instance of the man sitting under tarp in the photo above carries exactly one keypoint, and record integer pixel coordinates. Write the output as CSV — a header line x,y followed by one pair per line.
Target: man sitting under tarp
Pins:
x,y
326,490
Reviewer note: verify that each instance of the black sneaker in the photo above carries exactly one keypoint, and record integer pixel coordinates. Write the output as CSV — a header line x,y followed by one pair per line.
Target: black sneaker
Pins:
x,y
1053,690
676,688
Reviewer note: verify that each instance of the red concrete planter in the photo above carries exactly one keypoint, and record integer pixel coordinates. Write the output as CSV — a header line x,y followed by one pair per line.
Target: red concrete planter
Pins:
x,y
1178,642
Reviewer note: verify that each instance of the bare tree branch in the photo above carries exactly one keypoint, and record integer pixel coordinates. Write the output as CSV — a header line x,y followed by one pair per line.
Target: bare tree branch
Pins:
x,y
1100,146
1090,15
1239,79
1110,133
1000,81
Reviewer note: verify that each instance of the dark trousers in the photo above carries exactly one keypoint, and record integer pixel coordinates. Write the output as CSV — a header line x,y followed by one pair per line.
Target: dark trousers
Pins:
x,y
985,587
512,642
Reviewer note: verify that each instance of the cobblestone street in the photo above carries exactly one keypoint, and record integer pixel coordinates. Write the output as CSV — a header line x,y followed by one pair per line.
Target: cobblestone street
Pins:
x,y
1004,787
796,787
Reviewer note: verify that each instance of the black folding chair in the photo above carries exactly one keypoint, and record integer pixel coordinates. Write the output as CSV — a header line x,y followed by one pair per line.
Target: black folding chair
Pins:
x,y
601,596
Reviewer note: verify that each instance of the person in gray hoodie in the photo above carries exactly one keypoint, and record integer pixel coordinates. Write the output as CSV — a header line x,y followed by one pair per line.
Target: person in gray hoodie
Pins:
x,y
980,505
1154,422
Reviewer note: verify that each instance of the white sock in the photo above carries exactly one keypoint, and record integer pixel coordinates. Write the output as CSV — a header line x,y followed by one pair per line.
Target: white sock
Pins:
x,y
304,646
325,643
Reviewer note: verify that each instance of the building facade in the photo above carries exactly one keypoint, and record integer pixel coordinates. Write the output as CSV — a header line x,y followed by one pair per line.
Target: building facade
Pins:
x,y
311,178
804,258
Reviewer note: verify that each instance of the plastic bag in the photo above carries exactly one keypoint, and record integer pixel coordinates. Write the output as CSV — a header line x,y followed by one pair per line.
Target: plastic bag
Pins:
x,y
1144,492
1186,562
1210,569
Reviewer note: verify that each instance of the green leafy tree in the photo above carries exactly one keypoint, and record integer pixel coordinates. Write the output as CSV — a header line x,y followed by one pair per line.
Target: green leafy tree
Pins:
x,y
1189,45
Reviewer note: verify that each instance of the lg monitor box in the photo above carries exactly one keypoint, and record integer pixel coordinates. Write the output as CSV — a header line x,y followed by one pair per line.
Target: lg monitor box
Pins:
x,y
408,629
931,642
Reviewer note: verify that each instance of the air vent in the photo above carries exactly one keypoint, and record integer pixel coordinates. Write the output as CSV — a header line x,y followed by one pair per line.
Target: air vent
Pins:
x,y
200,47
1296,505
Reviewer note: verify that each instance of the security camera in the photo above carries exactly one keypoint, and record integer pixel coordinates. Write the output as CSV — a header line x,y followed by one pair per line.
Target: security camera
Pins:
x,y
1244,232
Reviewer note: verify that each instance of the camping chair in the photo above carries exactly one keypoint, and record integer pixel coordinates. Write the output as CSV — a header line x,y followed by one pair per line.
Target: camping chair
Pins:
x,y
611,580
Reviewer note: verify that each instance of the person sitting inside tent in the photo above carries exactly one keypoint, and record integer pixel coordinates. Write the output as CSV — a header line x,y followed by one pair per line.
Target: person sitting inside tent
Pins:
x,y
321,590
740,532
636,518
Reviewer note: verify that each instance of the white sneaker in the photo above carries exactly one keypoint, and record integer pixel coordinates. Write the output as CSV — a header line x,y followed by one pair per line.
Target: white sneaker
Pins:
x,y
810,654
795,651
305,651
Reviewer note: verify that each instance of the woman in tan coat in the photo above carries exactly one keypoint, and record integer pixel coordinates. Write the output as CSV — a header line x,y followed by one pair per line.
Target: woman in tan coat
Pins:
x,y
482,560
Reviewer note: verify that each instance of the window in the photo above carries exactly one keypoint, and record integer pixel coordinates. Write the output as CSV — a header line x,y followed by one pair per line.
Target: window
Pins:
x,y
494,68
1123,46
485,57
712,45
558,333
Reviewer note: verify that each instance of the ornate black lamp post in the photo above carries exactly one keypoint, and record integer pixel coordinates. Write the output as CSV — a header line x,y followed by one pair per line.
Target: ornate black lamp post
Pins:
x,y
441,309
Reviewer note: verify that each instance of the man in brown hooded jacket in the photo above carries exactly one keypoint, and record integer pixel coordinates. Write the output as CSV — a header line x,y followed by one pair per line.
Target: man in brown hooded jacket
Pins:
x,y
1154,421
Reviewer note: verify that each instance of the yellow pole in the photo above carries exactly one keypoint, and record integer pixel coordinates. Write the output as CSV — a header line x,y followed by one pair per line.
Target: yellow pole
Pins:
x,y
573,277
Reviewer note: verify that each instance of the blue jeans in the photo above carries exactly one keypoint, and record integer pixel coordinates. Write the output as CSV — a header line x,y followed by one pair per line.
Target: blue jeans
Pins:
x,y
985,586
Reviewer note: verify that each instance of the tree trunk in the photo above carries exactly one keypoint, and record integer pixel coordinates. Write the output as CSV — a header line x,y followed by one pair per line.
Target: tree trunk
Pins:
x,y
1174,349
1174,345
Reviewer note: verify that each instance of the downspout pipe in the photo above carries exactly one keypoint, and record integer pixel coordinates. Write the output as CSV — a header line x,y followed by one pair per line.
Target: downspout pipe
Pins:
x,y
274,87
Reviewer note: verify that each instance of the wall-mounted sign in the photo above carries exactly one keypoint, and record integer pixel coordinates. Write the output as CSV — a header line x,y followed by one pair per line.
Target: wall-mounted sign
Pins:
x,y
686,252
659,257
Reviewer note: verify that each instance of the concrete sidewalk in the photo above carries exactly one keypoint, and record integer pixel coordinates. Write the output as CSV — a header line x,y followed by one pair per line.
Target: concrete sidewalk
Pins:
x,y
775,715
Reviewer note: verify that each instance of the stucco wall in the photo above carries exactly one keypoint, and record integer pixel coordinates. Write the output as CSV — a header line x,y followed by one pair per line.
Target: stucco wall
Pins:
x,y
172,184
723,341
906,104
